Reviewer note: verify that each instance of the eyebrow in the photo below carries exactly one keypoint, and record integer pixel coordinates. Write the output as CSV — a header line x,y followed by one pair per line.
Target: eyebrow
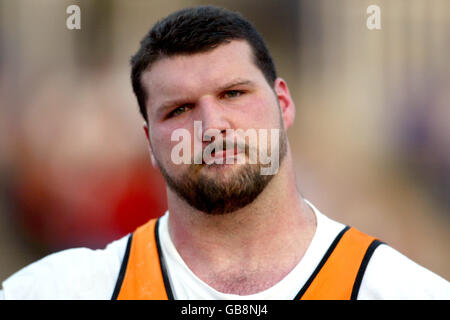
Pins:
x,y
234,83
170,103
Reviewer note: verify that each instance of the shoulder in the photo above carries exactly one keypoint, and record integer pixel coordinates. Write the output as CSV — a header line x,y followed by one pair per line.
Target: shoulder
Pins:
x,y
79,273
391,275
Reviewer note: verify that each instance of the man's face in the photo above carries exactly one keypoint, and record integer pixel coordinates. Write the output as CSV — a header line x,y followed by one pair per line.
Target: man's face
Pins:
x,y
225,90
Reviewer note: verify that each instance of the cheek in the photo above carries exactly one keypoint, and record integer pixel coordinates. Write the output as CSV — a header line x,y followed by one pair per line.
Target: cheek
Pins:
x,y
162,143
260,112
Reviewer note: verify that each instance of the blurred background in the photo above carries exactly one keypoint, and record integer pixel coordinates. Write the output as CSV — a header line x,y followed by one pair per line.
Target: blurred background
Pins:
x,y
371,138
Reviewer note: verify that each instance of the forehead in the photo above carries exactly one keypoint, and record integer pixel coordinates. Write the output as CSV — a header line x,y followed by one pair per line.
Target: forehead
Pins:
x,y
185,75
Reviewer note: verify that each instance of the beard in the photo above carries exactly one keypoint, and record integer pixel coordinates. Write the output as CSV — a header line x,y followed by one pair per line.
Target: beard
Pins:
x,y
219,193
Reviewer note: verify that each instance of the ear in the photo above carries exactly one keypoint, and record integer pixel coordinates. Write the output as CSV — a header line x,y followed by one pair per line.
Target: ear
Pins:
x,y
285,101
147,134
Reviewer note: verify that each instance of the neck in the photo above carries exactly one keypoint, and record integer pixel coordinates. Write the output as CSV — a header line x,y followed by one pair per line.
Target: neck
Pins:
x,y
252,248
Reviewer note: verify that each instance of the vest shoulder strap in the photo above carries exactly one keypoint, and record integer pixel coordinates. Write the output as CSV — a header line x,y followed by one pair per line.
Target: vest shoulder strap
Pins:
x,y
143,275
339,274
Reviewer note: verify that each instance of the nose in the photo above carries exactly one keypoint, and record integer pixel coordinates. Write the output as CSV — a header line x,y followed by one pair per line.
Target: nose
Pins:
x,y
213,116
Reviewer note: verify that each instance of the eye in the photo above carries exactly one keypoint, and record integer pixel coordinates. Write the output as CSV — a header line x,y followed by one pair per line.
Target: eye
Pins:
x,y
178,111
232,93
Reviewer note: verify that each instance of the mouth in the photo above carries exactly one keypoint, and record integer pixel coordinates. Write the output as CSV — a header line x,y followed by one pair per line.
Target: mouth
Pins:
x,y
222,155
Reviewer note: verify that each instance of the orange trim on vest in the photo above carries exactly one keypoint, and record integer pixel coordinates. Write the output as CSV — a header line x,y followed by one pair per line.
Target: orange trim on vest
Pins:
x,y
337,276
334,281
143,278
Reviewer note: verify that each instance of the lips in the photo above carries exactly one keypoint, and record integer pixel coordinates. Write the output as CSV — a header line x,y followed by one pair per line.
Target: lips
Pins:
x,y
224,153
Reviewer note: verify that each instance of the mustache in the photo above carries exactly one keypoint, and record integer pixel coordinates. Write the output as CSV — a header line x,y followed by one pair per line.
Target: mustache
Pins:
x,y
224,145
232,146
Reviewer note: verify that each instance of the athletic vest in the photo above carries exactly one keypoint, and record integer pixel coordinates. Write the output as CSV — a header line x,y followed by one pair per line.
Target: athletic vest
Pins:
x,y
143,274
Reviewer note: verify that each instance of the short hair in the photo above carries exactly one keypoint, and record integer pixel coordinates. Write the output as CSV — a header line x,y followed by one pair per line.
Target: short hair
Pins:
x,y
195,30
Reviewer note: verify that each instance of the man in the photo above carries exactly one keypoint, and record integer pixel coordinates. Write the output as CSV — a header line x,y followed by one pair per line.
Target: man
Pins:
x,y
233,229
